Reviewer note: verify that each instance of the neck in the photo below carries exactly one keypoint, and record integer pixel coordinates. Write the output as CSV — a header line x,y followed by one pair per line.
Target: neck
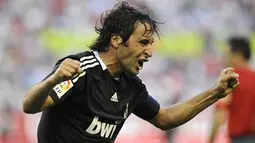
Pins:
x,y
110,60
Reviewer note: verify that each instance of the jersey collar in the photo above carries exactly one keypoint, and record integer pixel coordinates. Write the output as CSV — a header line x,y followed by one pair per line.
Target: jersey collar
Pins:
x,y
100,60
104,67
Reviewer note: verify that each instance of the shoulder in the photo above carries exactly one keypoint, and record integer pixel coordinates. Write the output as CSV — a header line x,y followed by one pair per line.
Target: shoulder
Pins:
x,y
88,59
136,81
82,56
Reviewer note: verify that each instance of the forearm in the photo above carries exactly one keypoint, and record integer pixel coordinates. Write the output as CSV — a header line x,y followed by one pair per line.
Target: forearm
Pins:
x,y
180,114
37,95
216,123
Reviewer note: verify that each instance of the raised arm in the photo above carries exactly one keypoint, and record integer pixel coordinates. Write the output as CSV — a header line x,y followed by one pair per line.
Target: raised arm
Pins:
x,y
170,117
37,98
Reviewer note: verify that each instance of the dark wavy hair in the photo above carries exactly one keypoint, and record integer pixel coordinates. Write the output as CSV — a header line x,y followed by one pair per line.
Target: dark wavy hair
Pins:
x,y
121,20
241,45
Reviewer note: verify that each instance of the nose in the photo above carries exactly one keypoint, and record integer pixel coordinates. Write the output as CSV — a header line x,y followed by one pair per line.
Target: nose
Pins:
x,y
148,52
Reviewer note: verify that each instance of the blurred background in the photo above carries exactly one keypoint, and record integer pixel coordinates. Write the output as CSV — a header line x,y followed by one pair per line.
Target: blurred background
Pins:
x,y
34,34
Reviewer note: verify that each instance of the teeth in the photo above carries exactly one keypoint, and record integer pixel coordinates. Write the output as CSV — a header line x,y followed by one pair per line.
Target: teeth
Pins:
x,y
140,64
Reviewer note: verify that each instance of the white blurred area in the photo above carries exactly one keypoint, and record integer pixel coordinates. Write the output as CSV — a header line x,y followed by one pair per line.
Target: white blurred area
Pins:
x,y
34,34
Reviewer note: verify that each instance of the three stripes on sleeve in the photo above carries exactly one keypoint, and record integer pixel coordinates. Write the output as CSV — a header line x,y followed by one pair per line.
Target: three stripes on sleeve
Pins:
x,y
86,63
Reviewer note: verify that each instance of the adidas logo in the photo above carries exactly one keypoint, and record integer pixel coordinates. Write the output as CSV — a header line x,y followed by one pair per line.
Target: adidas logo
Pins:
x,y
114,97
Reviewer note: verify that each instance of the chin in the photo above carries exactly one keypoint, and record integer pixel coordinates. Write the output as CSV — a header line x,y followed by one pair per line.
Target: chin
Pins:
x,y
133,72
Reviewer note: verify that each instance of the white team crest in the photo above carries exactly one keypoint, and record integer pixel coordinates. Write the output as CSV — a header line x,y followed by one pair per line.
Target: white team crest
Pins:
x,y
114,97
63,87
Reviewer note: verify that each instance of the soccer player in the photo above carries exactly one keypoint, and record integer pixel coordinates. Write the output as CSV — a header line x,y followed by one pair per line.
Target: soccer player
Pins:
x,y
240,104
88,96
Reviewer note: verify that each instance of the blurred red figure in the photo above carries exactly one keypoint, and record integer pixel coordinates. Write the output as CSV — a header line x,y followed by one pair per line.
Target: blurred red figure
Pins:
x,y
57,7
240,105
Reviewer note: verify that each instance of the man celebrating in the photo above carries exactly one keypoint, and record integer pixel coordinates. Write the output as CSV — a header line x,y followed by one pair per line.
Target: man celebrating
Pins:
x,y
88,96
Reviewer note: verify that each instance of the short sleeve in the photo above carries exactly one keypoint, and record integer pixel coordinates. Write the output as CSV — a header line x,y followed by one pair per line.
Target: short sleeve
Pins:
x,y
147,109
65,88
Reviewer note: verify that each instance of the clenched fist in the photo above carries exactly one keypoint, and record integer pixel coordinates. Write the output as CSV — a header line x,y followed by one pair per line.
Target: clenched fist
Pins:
x,y
67,69
227,82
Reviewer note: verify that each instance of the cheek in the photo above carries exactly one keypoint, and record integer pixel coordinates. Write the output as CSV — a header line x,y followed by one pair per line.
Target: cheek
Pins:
x,y
132,50
125,56
122,53
138,49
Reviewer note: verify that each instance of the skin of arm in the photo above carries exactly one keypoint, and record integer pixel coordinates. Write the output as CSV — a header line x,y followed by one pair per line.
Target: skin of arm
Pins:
x,y
170,117
37,98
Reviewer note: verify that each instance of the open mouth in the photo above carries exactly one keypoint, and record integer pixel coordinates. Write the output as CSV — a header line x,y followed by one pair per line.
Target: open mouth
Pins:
x,y
140,63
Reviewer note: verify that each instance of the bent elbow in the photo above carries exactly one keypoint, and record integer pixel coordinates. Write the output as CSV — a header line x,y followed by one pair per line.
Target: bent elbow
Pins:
x,y
164,128
167,127
26,109
29,111
166,124
160,124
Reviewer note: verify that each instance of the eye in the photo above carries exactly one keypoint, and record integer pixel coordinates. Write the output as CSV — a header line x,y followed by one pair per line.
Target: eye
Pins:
x,y
144,42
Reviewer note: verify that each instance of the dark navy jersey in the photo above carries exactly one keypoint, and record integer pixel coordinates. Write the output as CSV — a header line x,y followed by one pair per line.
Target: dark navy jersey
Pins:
x,y
93,106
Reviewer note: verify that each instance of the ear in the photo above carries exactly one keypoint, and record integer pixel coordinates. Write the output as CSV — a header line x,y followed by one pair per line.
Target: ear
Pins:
x,y
116,40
